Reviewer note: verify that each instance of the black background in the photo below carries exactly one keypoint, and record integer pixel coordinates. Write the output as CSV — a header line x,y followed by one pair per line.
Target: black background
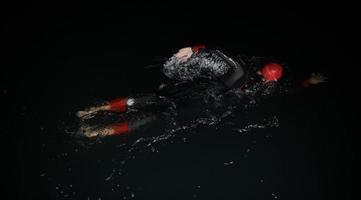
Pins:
x,y
59,56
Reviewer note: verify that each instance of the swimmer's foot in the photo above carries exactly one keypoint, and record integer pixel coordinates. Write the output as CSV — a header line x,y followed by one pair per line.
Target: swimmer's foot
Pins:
x,y
90,132
116,105
89,112
127,127
116,129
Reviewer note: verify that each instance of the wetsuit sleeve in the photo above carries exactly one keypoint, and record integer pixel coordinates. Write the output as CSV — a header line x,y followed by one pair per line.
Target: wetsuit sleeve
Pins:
x,y
236,74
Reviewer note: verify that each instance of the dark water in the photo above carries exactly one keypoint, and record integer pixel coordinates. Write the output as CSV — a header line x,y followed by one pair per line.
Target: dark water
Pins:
x,y
71,60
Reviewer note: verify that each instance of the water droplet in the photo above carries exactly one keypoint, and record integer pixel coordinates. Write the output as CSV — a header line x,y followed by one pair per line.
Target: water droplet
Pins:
x,y
110,176
228,163
274,196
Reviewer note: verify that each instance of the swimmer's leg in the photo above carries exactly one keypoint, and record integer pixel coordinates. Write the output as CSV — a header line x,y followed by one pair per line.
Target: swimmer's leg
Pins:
x,y
117,105
117,129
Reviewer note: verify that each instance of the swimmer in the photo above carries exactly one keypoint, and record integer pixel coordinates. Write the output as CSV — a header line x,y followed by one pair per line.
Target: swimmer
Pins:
x,y
191,73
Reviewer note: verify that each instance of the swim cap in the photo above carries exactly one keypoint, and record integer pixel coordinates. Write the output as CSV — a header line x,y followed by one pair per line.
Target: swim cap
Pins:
x,y
272,71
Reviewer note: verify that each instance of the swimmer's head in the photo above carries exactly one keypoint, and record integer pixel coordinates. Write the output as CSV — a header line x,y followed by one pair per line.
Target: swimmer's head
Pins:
x,y
271,72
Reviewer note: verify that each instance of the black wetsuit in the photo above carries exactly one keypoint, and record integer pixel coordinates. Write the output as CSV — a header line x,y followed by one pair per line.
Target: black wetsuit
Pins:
x,y
207,85
195,96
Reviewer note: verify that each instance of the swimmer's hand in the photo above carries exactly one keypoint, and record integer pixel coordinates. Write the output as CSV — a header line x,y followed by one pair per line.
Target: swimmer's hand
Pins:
x,y
184,54
317,78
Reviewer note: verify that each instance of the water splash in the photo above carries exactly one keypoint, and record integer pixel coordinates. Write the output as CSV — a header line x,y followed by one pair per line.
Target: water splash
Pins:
x,y
270,122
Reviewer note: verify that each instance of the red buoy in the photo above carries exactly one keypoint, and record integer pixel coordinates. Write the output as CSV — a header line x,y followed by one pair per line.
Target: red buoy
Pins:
x,y
272,71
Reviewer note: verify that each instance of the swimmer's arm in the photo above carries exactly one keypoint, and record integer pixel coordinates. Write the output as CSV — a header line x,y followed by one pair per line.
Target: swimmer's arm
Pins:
x,y
173,67
314,79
